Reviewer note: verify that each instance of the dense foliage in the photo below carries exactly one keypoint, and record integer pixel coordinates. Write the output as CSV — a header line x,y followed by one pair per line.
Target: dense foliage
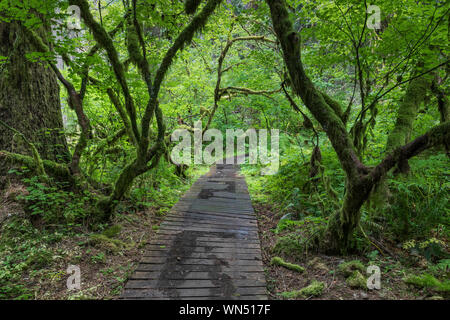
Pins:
x,y
363,115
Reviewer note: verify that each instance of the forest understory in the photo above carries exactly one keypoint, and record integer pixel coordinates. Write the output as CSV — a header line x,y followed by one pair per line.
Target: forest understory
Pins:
x,y
110,110
36,255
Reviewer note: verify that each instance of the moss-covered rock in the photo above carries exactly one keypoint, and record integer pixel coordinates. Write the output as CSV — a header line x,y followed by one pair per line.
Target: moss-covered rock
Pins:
x,y
347,268
291,266
291,294
356,280
314,289
103,242
112,231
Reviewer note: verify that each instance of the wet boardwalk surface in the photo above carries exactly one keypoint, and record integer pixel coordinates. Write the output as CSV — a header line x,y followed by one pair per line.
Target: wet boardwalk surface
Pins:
x,y
207,248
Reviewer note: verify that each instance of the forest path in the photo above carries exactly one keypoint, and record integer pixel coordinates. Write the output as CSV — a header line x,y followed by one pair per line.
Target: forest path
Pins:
x,y
208,246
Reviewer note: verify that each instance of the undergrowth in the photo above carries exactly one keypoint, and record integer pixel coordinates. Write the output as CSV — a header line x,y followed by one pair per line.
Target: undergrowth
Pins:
x,y
30,242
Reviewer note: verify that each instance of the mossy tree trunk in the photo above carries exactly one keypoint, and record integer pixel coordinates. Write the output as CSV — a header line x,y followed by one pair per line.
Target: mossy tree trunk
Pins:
x,y
29,100
407,111
401,133
359,178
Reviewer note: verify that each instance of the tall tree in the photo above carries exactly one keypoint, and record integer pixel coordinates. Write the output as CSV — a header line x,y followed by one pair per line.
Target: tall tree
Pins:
x,y
29,99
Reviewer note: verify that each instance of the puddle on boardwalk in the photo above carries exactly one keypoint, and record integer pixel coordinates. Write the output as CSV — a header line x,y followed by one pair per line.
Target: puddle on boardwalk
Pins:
x,y
181,250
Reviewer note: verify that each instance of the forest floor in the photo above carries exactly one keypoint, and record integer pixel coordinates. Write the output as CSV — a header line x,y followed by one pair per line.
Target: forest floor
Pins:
x,y
324,268
38,268
34,258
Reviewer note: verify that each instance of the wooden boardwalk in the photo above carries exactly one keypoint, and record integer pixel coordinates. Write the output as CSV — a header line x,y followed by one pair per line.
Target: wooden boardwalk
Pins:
x,y
207,248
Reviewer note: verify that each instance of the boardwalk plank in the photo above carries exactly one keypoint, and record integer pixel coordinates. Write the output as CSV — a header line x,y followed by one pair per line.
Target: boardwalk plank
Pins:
x,y
167,242
199,267
208,249
192,292
206,255
201,261
196,275
186,284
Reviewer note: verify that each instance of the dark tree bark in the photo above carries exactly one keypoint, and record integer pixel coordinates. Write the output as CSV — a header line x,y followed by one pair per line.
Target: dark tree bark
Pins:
x,y
29,100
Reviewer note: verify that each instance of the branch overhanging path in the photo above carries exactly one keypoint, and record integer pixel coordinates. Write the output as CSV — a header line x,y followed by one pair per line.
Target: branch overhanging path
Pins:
x,y
208,246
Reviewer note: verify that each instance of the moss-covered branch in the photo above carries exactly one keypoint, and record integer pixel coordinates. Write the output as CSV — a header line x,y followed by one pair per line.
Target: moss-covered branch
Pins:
x,y
407,111
360,179
197,23
438,135
218,91
247,91
105,41
443,102
313,99
37,161
53,168
91,53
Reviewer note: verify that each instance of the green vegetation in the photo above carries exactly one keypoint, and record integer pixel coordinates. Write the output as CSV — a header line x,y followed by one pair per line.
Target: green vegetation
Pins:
x,y
289,246
362,112
280,262
42,254
348,268
315,289
429,282
357,280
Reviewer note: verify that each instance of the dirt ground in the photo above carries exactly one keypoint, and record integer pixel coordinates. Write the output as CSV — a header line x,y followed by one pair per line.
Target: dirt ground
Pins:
x,y
324,268
105,265
103,271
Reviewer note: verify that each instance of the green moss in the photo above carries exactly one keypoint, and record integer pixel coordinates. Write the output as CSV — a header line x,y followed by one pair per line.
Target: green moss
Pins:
x,y
103,242
357,280
280,262
428,281
315,289
291,294
55,169
289,245
133,43
407,110
112,231
347,268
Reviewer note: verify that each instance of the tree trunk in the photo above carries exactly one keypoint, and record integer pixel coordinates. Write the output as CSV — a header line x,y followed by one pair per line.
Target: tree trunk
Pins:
x,y
401,133
29,100
342,223
407,111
